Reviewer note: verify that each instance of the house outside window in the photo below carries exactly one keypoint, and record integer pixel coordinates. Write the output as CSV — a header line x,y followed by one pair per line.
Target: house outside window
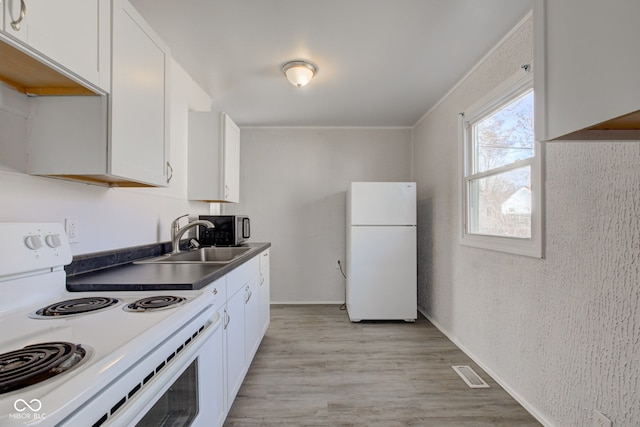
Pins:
x,y
502,188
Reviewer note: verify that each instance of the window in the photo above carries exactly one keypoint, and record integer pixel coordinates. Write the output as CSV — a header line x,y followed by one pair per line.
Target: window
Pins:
x,y
502,179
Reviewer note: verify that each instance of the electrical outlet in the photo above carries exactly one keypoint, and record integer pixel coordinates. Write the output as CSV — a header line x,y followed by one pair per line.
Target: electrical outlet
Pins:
x,y
72,228
599,420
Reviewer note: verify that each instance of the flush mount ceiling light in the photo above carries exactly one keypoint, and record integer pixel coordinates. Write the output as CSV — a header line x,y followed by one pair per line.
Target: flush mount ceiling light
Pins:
x,y
299,73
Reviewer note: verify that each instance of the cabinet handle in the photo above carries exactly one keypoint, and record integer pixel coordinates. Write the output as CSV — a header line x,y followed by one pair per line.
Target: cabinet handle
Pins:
x,y
215,291
23,11
170,170
261,279
227,318
248,293
226,191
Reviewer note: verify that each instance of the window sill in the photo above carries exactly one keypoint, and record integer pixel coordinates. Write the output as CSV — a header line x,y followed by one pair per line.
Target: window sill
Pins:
x,y
516,246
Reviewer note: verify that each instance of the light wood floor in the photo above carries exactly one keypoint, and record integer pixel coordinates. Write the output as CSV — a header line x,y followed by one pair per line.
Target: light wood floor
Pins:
x,y
315,368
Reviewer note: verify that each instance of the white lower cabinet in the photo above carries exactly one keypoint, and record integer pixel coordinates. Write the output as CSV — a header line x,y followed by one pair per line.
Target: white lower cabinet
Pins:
x,y
265,291
240,304
253,327
234,336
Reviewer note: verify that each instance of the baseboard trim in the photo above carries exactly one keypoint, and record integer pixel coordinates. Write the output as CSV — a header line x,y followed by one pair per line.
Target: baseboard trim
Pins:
x,y
307,302
522,401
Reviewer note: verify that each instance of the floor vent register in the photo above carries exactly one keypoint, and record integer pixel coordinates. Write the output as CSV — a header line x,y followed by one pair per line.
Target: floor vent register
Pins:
x,y
470,377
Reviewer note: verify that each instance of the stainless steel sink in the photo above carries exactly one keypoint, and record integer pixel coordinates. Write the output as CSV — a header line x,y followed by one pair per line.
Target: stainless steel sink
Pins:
x,y
208,255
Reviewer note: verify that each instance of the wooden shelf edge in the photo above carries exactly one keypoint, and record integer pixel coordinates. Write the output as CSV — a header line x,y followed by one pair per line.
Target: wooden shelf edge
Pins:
x,y
102,180
623,128
30,75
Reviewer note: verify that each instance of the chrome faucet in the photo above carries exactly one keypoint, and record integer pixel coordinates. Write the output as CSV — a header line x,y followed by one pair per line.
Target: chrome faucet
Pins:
x,y
177,232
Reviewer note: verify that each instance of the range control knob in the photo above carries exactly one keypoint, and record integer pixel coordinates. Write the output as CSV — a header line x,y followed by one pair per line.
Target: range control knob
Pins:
x,y
53,240
33,242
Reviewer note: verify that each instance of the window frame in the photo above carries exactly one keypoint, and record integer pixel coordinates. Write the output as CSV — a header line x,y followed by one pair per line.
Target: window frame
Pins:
x,y
508,91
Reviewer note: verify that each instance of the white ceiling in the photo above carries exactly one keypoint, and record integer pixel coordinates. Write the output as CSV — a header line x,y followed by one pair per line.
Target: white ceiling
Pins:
x,y
381,62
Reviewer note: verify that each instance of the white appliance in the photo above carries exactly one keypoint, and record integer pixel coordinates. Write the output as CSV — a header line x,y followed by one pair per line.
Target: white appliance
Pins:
x,y
110,366
381,251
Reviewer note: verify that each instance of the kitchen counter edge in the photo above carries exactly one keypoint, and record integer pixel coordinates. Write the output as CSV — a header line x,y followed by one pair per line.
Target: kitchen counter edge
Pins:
x,y
125,276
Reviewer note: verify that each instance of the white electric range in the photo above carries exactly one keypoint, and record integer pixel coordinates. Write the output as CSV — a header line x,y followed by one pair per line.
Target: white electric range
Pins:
x,y
132,358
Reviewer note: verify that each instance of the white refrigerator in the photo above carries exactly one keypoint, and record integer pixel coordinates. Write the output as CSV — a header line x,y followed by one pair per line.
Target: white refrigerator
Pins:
x,y
381,251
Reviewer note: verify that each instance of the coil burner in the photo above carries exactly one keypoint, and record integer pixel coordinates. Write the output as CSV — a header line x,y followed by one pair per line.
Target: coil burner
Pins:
x,y
154,303
74,307
36,363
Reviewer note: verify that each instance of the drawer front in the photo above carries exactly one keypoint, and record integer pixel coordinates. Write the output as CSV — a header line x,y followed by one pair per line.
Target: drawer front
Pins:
x,y
264,260
239,277
219,289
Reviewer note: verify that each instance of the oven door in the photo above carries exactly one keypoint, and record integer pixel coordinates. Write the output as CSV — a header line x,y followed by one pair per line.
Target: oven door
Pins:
x,y
192,396
180,383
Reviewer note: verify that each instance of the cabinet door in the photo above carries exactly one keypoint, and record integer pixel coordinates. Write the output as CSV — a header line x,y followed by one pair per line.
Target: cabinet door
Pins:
x,y
73,33
253,326
265,291
231,165
139,104
205,156
214,157
586,66
235,342
13,16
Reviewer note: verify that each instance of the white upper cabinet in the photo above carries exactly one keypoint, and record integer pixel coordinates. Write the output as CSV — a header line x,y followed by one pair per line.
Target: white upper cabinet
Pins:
x,y
231,161
139,99
586,69
71,33
214,157
119,140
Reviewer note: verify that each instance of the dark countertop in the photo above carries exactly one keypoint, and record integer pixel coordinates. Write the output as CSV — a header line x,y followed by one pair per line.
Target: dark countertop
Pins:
x,y
154,277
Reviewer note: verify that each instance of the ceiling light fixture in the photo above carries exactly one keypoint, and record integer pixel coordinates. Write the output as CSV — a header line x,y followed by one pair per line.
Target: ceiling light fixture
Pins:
x,y
299,73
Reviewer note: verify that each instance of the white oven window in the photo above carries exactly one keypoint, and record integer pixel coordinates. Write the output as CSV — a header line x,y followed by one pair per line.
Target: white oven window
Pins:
x,y
178,406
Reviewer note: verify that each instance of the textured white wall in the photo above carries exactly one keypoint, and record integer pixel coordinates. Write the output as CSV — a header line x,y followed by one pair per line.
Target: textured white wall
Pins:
x,y
108,218
293,186
562,334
